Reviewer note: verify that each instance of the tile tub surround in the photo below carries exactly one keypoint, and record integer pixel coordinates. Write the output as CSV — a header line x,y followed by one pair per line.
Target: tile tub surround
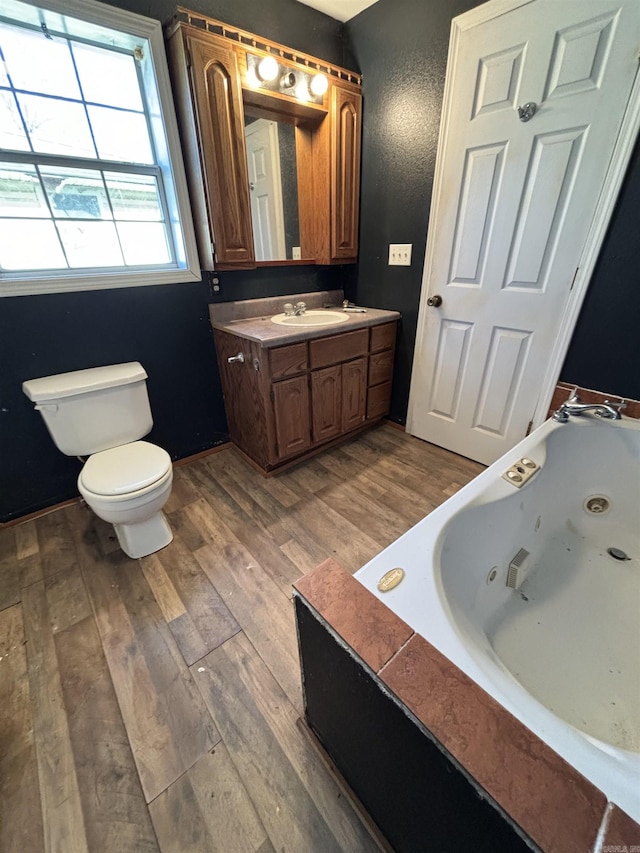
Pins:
x,y
251,318
557,808
564,390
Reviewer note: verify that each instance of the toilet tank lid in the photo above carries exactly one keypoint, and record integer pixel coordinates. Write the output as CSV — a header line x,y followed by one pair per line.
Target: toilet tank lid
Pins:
x,y
83,381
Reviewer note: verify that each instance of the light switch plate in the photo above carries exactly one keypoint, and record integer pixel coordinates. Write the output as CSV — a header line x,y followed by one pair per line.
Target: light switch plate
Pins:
x,y
296,254
400,254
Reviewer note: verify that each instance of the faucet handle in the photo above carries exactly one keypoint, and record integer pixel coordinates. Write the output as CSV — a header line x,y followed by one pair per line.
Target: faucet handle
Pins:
x,y
288,308
620,404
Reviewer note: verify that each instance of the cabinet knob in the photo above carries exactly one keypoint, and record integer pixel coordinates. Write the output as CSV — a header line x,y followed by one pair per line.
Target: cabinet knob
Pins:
x,y
234,358
434,301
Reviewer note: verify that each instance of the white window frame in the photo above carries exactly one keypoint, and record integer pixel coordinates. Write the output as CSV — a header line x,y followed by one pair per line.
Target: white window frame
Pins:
x,y
97,21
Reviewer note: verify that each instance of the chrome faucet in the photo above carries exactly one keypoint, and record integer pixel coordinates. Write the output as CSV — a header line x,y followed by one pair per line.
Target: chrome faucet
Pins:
x,y
574,406
295,311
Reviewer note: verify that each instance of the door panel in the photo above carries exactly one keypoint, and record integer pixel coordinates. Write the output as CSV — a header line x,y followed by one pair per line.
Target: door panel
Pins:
x,y
354,393
513,205
218,100
292,419
326,402
451,359
478,195
546,197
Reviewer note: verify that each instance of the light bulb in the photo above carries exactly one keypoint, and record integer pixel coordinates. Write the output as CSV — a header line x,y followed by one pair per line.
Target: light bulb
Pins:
x,y
319,84
267,68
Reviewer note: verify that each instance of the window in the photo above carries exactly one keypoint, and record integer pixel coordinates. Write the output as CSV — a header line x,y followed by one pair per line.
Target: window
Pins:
x,y
92,187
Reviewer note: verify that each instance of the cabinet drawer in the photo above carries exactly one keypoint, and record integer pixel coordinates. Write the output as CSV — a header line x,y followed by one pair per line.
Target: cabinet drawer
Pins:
x,y
378,400
326,351
287,361
380,367
383,337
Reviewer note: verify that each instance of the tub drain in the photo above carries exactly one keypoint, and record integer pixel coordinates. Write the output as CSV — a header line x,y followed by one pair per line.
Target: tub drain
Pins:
x,y
618,554
597,504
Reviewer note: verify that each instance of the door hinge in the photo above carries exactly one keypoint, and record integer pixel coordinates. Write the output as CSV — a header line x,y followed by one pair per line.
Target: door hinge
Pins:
x,y
573,280
187,56
529,428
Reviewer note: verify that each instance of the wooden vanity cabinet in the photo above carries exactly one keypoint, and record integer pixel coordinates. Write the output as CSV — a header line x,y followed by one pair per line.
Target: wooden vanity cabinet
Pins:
x,y
212,86
285,402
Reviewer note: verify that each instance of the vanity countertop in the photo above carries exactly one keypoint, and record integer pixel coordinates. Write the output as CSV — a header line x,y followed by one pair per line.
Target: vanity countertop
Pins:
x,y
268,334
251,319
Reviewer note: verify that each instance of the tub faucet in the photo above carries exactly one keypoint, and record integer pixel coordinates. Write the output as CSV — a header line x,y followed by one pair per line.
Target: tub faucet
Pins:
x,y
574,406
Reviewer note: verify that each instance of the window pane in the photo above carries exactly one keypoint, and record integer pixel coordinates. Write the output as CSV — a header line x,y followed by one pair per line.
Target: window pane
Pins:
x,y
90,244
107,77
21,192
57,127
120,135
143,243
133,196
29,244
76,193
39,64
12,133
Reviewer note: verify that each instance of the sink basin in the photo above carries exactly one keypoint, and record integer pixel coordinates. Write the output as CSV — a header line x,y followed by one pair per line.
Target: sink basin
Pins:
x,y
313,317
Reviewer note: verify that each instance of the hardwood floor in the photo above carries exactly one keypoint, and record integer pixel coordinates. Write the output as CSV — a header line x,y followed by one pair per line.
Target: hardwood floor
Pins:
x,y
155,704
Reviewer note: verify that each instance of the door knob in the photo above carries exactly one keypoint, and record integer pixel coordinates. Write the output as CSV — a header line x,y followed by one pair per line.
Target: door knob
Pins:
x,y
234,358
434,301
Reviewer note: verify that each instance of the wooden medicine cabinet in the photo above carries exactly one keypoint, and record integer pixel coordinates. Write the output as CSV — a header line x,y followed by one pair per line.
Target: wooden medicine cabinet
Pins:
x,y
265,210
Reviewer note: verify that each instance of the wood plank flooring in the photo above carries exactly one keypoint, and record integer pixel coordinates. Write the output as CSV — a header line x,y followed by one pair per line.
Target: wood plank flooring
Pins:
x,y
155,704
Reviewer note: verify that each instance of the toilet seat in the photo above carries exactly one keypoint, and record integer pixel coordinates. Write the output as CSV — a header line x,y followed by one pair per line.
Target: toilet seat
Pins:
x,y
128,469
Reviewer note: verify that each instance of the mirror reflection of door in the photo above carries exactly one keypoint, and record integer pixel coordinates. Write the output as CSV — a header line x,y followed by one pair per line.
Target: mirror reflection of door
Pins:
x,y
265,184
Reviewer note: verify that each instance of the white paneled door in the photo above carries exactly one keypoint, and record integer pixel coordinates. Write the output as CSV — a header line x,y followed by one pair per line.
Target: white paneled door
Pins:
x,y
534,102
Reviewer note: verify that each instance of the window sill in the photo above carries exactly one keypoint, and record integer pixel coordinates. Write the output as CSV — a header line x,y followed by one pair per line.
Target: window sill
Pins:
x,y
70,283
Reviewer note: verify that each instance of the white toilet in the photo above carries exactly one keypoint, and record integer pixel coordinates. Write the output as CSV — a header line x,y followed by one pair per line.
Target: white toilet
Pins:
x,y
102,413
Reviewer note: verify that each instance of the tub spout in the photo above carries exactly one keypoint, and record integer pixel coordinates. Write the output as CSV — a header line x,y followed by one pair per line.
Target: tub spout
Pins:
x,y
574,406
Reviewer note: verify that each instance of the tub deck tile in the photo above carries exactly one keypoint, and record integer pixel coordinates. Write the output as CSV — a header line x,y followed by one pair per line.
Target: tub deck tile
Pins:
x,y
373,631
622,832
554,804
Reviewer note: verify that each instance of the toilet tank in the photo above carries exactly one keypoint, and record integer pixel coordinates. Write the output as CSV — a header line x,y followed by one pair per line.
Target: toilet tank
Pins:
x,y
91,410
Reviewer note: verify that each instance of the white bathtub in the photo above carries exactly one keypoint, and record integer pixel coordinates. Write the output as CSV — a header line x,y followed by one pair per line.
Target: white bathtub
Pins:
x,y
562,651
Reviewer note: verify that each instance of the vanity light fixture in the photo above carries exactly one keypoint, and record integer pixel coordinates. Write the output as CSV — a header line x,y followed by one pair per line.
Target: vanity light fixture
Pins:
x,y
271,74
267,69
319,84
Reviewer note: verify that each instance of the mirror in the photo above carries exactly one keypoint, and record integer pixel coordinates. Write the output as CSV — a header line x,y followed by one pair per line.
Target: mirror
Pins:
x,y
273,185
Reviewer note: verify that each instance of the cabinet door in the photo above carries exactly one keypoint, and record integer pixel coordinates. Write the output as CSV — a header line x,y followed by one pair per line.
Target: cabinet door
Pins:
x,y
346,117
219,115
354,393
291,411
326,403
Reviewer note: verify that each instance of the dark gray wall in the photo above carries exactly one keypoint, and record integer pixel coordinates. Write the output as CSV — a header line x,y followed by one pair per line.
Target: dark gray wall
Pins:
x,y
604,353
165,328
401,49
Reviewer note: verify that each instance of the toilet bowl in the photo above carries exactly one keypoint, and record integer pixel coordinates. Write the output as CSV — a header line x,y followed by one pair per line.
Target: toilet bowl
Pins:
x,y
128,486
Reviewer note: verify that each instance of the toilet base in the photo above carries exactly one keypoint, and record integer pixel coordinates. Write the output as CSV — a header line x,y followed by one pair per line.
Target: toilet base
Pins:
x,y
144,537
